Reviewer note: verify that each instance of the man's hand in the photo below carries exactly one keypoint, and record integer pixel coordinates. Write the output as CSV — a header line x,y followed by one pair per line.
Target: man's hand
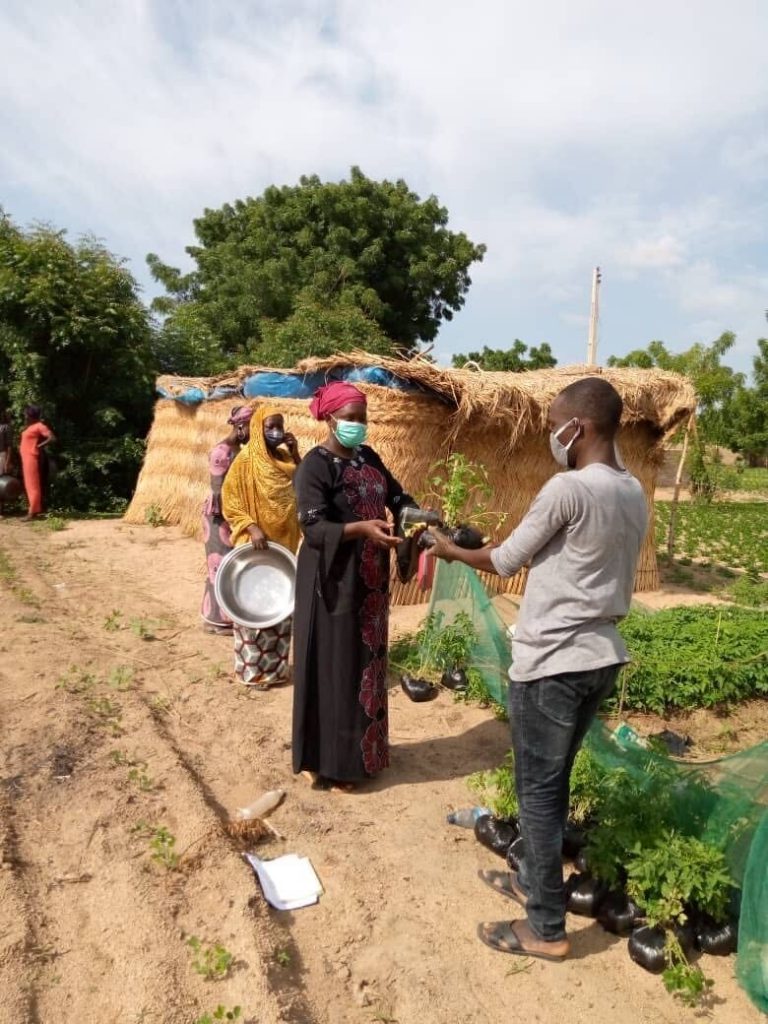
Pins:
x,y
441,547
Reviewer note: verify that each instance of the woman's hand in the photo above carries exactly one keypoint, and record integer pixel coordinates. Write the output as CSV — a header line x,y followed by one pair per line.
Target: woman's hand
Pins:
x,y
377,530
291,444
258,538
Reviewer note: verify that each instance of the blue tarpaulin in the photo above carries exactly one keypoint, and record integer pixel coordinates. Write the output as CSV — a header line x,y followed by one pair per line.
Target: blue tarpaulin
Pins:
x,y
270,384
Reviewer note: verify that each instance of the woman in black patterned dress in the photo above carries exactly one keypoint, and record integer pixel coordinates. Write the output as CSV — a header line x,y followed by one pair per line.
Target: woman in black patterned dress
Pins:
x,y
343,492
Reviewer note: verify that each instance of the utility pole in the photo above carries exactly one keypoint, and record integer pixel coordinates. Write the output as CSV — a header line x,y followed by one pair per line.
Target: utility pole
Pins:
x,y
594,314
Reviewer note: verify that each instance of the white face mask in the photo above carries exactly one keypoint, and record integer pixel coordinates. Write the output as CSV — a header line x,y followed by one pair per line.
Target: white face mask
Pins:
x,y
559,450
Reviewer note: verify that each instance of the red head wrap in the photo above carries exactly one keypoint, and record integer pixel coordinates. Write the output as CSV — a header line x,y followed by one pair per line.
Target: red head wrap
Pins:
x,y
332,397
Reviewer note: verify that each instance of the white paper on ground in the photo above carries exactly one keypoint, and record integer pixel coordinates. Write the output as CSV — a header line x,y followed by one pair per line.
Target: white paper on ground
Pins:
x,y
289,882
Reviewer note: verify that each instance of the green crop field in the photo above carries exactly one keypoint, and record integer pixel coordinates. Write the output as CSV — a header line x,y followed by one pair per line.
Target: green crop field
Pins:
x,y
727,478
729,533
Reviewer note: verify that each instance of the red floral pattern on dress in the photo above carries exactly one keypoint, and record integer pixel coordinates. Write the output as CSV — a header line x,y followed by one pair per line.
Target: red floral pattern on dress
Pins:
x,y
374,620
373,691
365,488
375,746
372,566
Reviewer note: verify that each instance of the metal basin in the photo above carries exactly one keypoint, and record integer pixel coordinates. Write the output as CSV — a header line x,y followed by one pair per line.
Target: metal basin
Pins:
x,y
10,488
257,588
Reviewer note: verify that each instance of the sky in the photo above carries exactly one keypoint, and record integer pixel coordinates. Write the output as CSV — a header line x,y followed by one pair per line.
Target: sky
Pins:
x,y
562,135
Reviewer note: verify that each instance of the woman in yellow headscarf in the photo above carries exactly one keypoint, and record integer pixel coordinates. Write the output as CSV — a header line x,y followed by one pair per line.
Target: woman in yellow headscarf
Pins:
x,y
259,505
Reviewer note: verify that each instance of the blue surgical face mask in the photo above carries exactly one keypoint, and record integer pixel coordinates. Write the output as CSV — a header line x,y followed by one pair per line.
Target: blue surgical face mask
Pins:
x,y
560,450
274,436
350,434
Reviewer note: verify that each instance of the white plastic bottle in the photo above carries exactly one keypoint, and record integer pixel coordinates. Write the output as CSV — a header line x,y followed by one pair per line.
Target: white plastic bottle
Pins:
x,y
467,817
260,808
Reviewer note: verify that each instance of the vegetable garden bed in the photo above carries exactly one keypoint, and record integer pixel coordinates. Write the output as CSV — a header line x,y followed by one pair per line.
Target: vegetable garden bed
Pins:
x,y
734,534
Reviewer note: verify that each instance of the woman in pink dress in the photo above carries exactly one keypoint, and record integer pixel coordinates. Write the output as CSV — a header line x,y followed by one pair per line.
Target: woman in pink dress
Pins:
x,y
215,526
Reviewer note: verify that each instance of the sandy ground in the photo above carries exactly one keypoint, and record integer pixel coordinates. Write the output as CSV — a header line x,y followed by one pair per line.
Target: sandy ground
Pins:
x,y
119,715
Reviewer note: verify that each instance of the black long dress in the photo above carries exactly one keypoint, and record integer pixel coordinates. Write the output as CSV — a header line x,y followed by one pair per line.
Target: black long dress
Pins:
x,y
341,620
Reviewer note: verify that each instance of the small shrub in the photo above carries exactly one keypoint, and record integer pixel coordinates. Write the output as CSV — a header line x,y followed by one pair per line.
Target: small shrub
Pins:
x,y
162,846
283,957
76,681
113,622
211,960
495,789
142,628
54,524
120,678
144,781
220,1013
154,517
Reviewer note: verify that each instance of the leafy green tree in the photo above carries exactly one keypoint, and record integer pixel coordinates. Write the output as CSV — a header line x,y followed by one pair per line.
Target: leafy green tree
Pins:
x,y
184,345
714,382
76,339
315,330
511,359
318,248
746,414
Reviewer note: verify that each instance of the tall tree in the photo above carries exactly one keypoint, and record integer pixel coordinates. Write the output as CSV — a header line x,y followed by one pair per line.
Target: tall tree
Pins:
x,y
75,338
327,246
714,382
746,414
511,359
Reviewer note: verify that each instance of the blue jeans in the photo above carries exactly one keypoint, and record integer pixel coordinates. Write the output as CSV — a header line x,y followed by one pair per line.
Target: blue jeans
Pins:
x,y
549,718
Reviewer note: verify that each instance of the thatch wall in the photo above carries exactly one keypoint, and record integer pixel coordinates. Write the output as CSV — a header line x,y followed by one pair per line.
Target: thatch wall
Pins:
x,y
498,420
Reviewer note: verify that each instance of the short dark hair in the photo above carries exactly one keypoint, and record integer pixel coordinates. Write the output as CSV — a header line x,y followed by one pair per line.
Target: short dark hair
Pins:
x,y
595,399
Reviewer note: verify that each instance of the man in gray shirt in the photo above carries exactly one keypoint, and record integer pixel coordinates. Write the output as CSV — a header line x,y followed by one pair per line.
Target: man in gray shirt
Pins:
x,y
581,537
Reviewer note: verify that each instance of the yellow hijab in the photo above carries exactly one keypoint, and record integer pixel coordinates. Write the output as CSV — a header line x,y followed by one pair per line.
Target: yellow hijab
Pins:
x,y
258,489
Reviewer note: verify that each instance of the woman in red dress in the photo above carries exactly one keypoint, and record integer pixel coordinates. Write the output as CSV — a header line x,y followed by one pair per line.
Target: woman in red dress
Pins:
x,y
34,439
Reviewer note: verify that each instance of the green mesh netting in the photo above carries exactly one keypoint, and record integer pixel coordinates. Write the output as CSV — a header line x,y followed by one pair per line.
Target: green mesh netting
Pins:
x,y
724,801
455,589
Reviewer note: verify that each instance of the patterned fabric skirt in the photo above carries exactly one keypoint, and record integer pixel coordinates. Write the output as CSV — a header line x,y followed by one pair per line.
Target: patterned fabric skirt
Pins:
x,y
261,655
216,539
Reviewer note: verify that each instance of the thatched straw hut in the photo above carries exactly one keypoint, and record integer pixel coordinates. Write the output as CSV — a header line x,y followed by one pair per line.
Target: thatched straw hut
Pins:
x,y
496,419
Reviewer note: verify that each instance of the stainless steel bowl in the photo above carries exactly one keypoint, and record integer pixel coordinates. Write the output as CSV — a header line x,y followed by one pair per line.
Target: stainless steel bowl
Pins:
x,y
257,588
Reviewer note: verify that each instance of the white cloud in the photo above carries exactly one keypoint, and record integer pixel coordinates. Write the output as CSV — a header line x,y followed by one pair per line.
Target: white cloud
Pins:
x,y
562,135
656,253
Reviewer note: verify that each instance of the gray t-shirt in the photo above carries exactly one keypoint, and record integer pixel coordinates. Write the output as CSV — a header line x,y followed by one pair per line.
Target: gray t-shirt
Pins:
x,y
582,536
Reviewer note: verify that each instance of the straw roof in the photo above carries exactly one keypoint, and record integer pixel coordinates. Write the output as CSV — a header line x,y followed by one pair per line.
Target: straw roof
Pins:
x,y
496,419
521,401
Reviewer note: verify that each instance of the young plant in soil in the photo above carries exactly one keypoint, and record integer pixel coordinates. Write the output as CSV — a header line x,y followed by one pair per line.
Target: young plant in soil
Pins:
x,y
283,957
113,621
143,629
139,776
665,879
162,846
211,960
220,1013
461,490
76,681
120,678
476,692
495,789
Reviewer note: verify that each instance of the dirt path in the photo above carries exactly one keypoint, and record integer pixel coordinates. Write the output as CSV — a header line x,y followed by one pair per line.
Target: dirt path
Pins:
x,y
118,716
